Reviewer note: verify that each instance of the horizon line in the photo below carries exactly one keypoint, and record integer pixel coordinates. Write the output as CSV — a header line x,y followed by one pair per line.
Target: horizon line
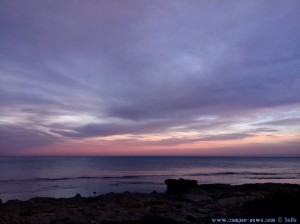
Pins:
x,y
24,156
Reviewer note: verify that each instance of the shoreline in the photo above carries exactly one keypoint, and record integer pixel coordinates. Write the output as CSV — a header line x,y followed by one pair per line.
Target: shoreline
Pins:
x,y
184,202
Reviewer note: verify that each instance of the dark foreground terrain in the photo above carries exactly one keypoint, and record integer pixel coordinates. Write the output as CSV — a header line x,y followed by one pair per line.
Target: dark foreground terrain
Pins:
x,y
183,202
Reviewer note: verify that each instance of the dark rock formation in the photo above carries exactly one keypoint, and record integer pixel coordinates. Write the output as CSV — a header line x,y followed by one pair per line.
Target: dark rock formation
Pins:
x,y
193,204
280,203
77,195
179,186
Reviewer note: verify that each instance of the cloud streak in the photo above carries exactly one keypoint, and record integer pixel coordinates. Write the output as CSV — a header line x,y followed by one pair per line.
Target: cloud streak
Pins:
x,y
152,67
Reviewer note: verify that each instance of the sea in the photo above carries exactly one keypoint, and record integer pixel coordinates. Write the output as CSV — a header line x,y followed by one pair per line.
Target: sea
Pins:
x,y
23,178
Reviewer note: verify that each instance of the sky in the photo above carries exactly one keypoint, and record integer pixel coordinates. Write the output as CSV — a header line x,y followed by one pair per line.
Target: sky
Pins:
x,y
150,77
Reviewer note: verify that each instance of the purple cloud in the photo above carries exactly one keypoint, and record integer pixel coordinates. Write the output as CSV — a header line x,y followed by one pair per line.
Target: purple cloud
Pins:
x,y
14,139
145,67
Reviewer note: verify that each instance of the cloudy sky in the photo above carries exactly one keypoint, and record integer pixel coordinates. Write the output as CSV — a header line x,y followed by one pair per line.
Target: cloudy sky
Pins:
x,y
150,77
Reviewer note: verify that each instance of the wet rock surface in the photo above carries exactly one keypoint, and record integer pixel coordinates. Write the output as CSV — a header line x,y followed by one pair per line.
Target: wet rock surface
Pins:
x,y
183,202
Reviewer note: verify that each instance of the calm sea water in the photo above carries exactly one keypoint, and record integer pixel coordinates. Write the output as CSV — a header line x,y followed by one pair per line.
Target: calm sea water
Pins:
x,y
24,178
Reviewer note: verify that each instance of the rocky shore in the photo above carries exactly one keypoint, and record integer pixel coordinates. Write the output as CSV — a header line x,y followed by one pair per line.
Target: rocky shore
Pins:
x,y
184,202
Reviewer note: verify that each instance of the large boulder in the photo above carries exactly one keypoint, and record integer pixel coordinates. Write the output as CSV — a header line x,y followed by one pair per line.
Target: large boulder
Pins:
x,y
179,186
